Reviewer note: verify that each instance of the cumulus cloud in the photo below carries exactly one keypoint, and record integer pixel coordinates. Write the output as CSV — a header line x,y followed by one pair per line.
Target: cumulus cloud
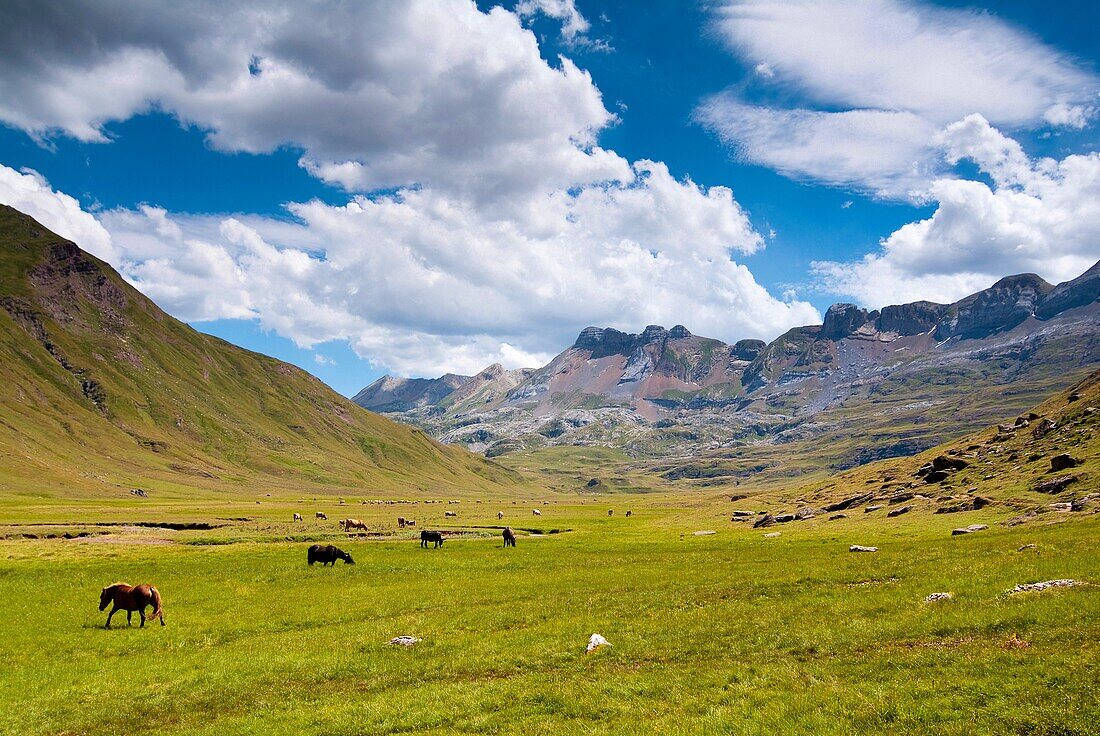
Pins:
x,y
485,223
877,77
1039,216
376,95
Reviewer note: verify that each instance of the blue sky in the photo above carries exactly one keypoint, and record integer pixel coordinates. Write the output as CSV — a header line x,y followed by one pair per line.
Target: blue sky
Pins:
x,y
370,198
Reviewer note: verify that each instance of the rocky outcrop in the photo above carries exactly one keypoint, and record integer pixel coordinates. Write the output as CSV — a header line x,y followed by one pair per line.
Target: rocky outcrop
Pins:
x,y
401,394
747,349
1001,307
910,319
1080,292
842,320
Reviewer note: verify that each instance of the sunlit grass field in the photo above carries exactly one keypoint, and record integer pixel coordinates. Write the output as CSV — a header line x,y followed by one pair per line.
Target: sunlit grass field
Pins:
x,y
725,633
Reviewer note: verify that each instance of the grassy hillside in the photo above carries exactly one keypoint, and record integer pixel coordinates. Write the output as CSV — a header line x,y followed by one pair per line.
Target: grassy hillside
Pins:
x,y
103,392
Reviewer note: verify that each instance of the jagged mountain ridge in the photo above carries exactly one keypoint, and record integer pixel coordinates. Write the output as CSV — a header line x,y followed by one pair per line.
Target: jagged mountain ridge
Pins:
x,y
102,389
669,392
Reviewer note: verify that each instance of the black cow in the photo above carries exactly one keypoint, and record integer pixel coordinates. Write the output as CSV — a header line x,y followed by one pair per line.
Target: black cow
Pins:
x,y
326,554
427,536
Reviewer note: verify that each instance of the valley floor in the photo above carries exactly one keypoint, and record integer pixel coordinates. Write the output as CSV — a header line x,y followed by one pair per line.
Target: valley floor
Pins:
x,y
731,632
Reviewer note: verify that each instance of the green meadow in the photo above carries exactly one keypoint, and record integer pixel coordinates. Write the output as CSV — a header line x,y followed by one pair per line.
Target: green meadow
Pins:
x,y
730,633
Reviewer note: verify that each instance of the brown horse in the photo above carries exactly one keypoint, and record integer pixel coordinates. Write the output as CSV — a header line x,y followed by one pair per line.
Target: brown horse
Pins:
x,y
509,537
129,598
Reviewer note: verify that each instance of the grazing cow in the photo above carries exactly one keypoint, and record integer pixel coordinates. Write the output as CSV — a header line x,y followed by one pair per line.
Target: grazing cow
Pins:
x,y
509,537
322,515
611,512
410,522
450,513
628,513
536,512
350,524
427,536
326,554
401,521
128,598
500,515
297,517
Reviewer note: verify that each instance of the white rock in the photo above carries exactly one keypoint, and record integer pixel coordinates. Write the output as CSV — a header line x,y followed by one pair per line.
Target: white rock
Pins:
x,y
772,535
938,597
595,642
1029,587
403,641
858,548
704,532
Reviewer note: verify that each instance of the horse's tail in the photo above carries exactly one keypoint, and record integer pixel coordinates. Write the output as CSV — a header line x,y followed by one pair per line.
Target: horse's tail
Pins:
x,y
158,609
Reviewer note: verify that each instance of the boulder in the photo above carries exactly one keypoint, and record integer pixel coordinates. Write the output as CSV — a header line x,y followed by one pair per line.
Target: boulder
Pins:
x,y
403,641
764,521
980,502
1045,585
1056,485
1065,461
838,516
969,529
1043,428
704,533
849,502
772,535
943,462
936,476
805,513
784,518
900,510
860,548
869,509
936,597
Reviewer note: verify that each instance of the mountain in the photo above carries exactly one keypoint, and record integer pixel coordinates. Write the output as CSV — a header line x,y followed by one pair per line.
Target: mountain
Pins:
x,y
103,391
861,386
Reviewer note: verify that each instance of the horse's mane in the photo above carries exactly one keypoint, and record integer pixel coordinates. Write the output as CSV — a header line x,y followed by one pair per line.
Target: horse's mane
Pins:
x,y
117,585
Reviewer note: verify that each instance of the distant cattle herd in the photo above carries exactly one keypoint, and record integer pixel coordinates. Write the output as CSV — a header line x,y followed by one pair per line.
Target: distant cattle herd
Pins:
x,y
137,598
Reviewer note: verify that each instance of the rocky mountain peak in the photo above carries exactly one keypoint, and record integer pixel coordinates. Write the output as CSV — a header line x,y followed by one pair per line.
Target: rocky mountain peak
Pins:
x,y
496,370
842,320
653,333
678,333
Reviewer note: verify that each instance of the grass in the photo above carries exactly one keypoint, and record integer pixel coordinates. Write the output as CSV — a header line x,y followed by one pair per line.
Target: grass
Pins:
x,y
729,633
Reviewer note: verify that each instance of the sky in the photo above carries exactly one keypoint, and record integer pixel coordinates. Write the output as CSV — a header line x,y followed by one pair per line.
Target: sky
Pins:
x,y
433,186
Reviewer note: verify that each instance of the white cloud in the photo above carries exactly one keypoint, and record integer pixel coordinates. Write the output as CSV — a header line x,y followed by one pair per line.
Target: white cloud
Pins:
x,y
1040,216
890,153
876,79
376,95
937,62
573,24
